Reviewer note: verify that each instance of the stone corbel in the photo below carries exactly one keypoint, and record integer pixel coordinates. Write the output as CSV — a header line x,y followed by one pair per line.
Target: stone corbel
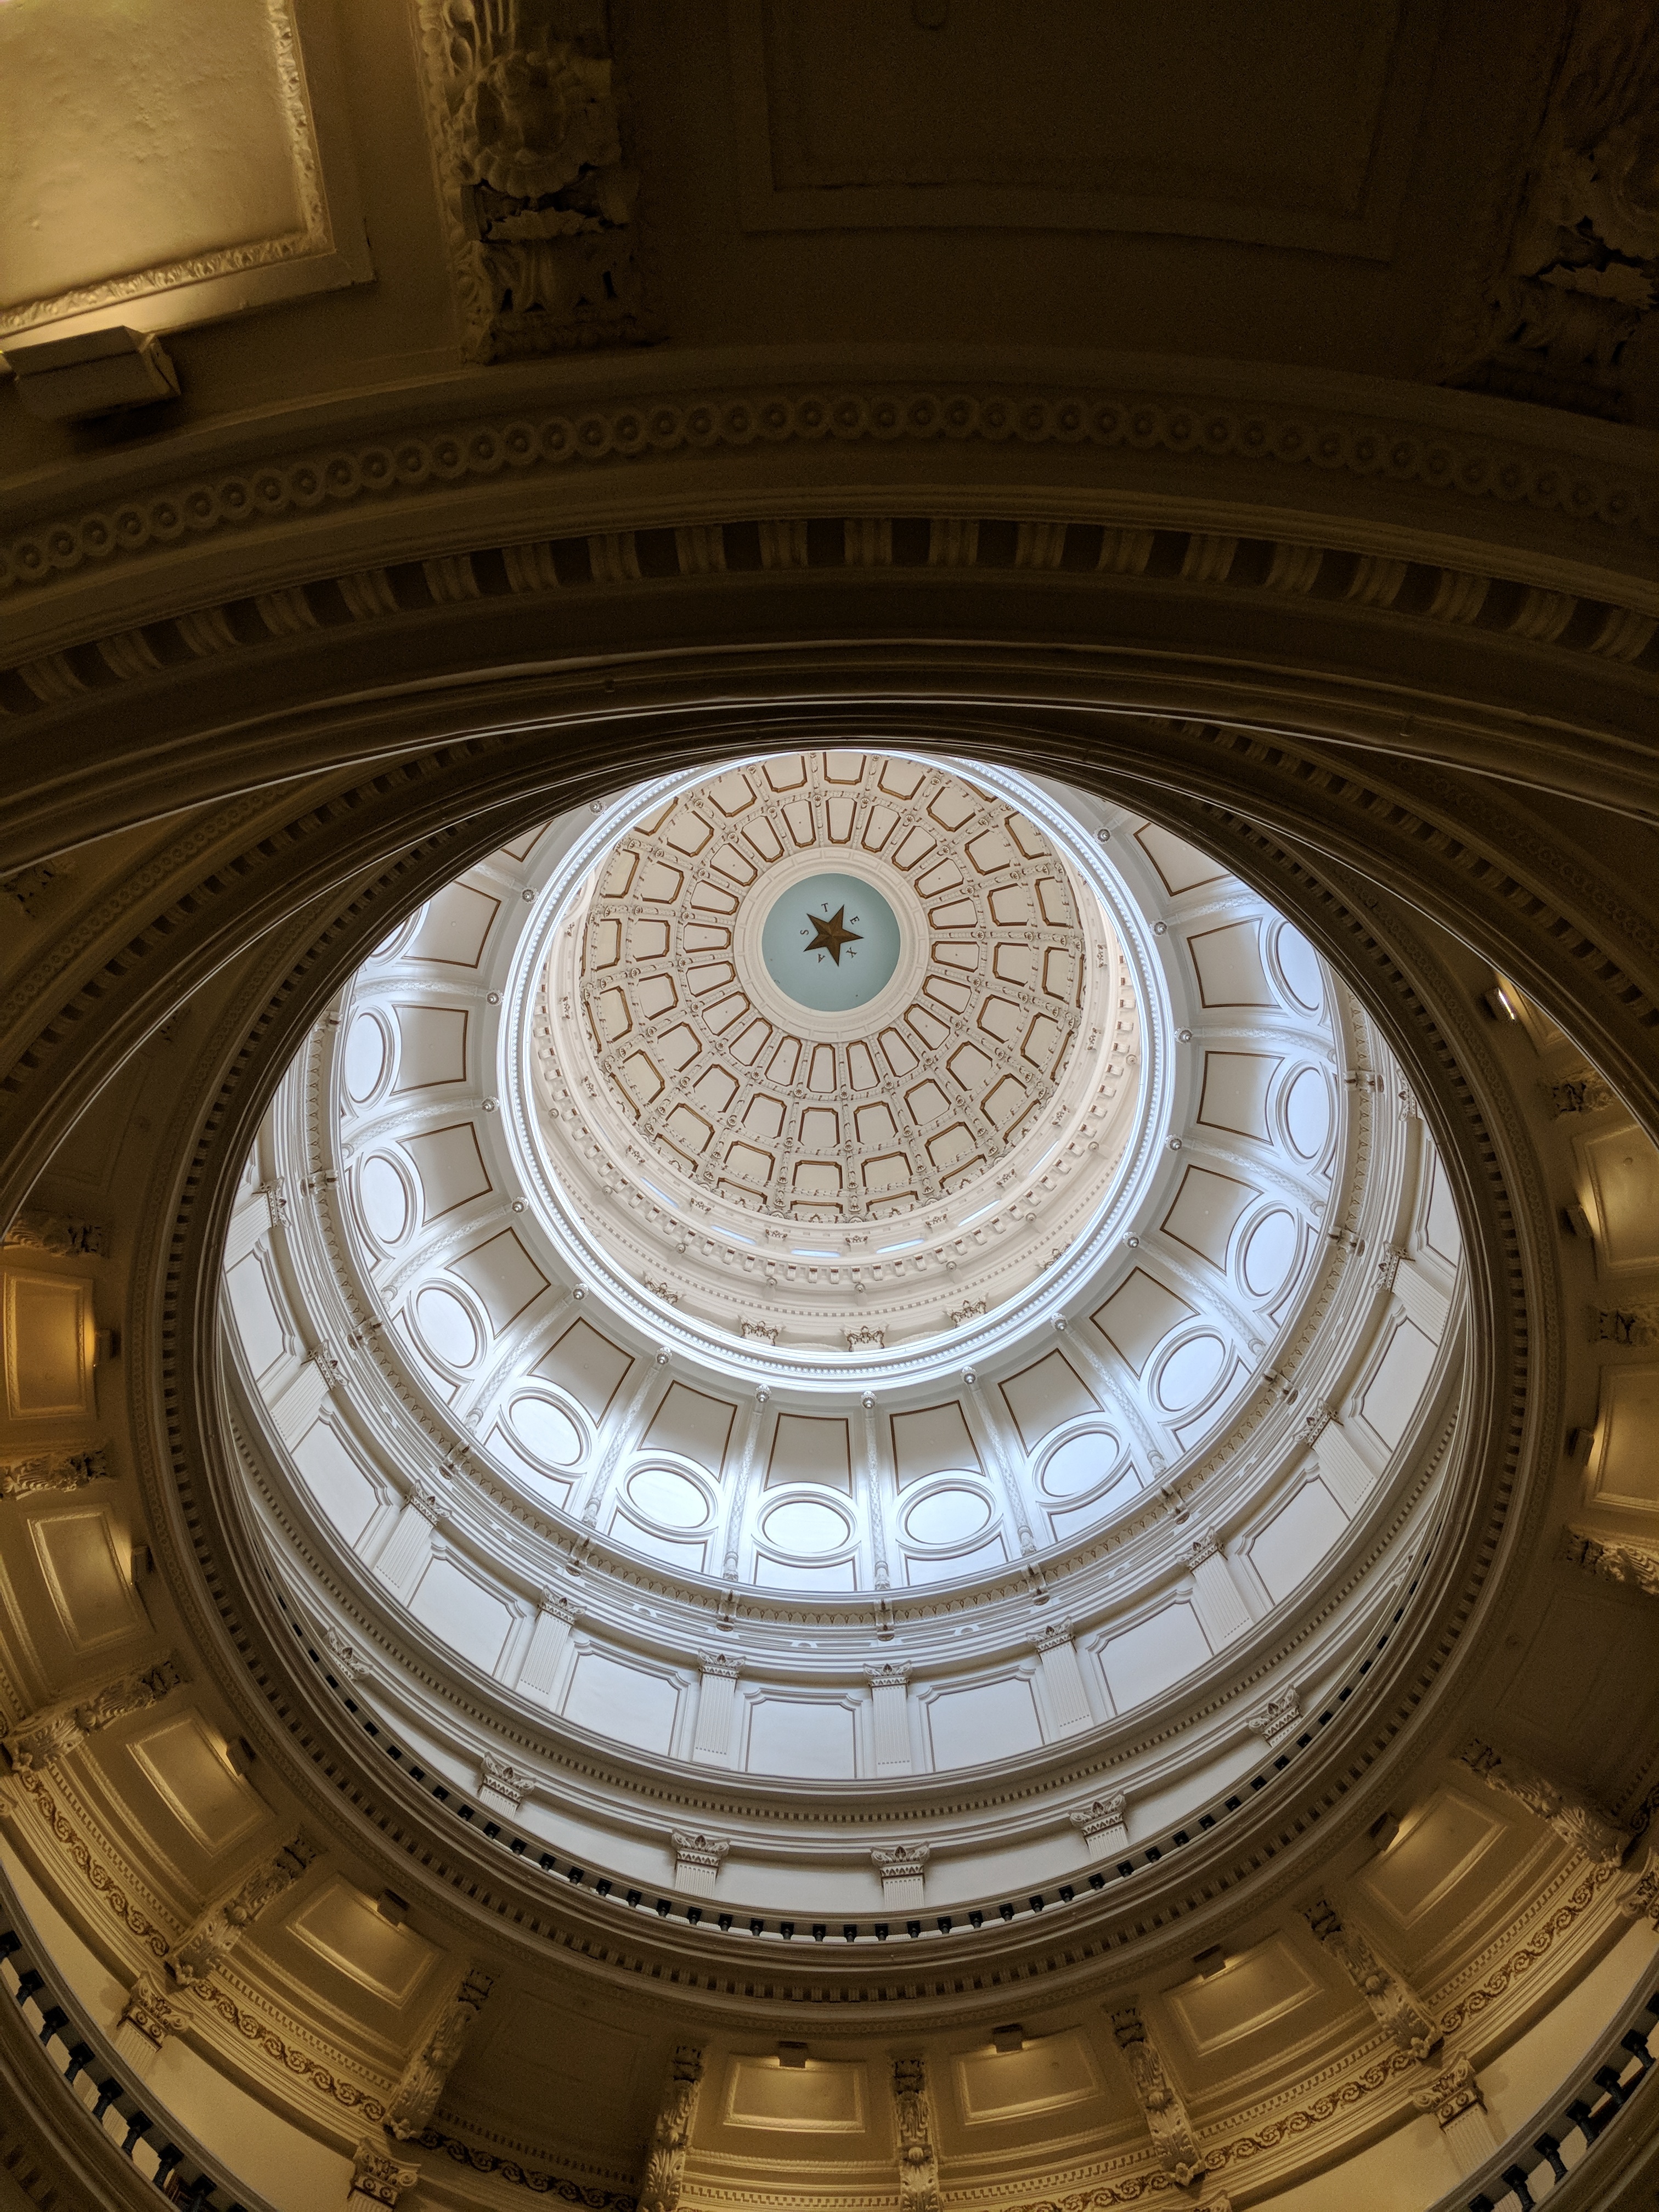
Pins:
x,y
61,1234
912,2114
697,1861
58,1729
416,2097
1615,1558
146,2021
1460,2112
537,201
501,1786
1104,1825
1573,1816
57,1470
1278,1720
1413,2028
378,2179
1159,2098
902,1868
218,1932
671,2137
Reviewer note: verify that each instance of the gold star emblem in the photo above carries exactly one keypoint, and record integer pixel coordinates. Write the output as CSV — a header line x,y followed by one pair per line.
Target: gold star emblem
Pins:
x,y
832,934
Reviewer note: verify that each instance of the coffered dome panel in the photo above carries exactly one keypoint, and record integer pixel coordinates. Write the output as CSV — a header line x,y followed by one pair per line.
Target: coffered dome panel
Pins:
x,y
636,1463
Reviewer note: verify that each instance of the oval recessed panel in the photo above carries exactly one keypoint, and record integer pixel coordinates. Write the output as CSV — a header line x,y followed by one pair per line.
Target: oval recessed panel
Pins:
x,y
546,1430
665,1495
447,1328
947,1517
1189,1373
385,1199
1299,963
1271,1252
1080,1463
365,1058
803,1525
1307,1113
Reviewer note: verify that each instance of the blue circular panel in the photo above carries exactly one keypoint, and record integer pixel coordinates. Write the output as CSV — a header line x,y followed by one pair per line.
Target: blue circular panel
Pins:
x,y
831,942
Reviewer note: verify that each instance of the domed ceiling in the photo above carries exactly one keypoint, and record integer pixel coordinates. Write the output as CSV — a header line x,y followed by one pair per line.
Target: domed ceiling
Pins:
x,y
668,1346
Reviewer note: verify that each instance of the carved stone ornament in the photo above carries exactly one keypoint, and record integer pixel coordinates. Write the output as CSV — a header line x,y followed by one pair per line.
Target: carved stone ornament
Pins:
x,y
378,2177
1615,1558
1641,1900
52,1471
671,2138
697,1853
1106,1817
720,1666
1453,2092
1578,1093
888,1673
1566,311
501,1778
149,2010
900,1862
1166,2116
56,1730
1637,1323
1571,1814
416,2097
217,1932
1396,2008
1279,1718
346,1661
913,2113
58,1233
538,202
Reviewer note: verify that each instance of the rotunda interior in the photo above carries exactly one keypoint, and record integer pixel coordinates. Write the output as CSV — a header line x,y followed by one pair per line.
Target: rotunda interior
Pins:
x,y
828,1106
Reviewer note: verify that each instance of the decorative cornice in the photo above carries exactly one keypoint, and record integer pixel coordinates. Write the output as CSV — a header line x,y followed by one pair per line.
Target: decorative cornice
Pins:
x,y
333,477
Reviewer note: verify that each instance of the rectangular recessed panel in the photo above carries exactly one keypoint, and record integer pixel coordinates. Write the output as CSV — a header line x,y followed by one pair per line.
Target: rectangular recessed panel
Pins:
x,y
342,1927
1251,1994
820,2098
334,1478
1623,1169
1229,964
992,1721
931,1439
1297,1539
1180,866
258,1323
1138,1315
454,926
623,1703
586,1365
504,1276
807,1738
1205,1212
184,1763
49,1330
1625,1462
470,1620
431,1047
1235,1094
1006,2087
1434,1855
1042,1396
1148,1657
808,1448
694,1425
449,1168
88,1574
1396,1384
